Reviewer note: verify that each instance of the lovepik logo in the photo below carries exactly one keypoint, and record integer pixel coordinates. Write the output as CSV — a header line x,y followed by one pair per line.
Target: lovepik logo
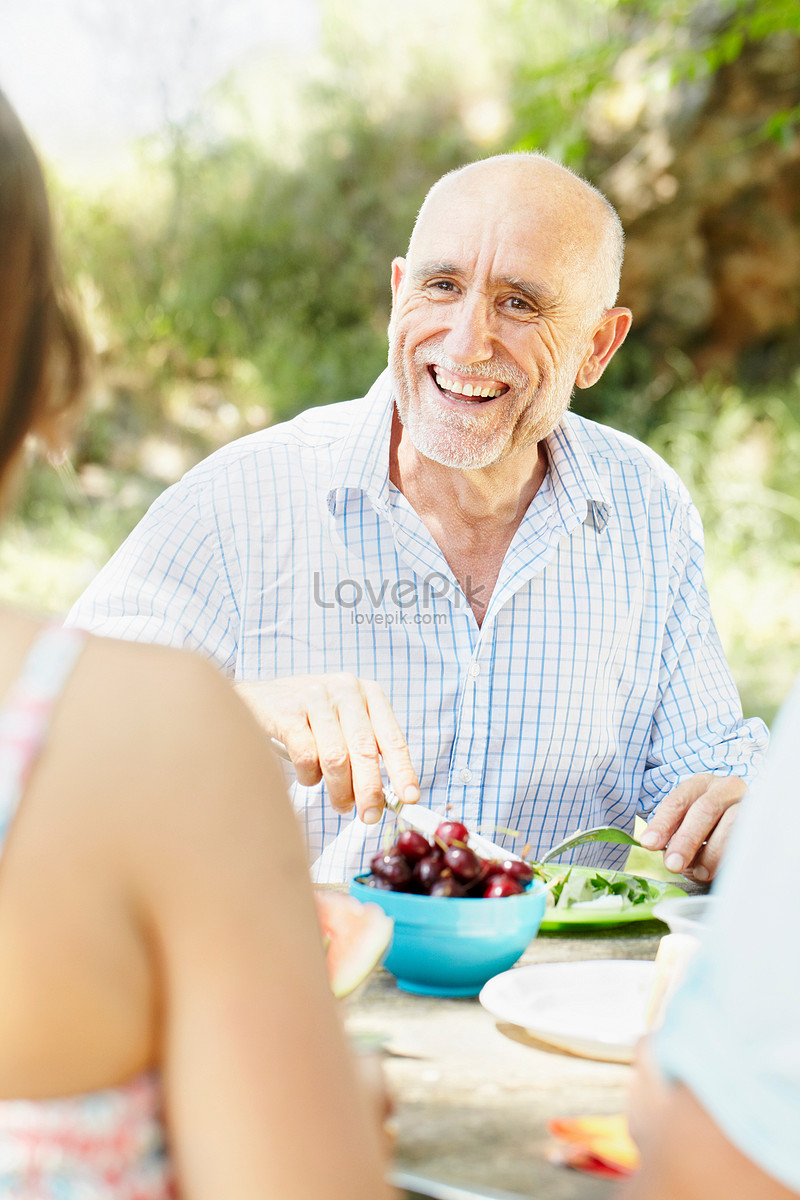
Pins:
x,y
398,593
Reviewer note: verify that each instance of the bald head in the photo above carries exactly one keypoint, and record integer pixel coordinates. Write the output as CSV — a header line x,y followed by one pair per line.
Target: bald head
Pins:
x,y
508,287
550,198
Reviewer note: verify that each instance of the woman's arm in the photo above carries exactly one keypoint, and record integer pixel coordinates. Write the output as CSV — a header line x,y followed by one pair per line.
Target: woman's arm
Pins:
x,y
262,1095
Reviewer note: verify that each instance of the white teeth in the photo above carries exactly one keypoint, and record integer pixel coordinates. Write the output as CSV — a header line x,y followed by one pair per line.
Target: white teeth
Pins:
x,y
465,389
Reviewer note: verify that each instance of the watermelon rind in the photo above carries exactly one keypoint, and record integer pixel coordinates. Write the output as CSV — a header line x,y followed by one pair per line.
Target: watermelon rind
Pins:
x,y
357,937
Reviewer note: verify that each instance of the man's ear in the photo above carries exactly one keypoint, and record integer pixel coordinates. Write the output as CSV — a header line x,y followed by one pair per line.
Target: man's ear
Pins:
x,y
608,336
398,275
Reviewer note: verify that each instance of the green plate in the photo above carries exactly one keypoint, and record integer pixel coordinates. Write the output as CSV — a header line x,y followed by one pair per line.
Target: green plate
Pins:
x,y
568,917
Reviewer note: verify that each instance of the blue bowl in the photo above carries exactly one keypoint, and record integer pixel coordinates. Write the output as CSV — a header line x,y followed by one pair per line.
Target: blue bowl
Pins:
x,y
450,947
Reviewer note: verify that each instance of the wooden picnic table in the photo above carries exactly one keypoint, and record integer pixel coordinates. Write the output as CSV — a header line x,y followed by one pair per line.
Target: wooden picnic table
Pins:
x,y
474,1095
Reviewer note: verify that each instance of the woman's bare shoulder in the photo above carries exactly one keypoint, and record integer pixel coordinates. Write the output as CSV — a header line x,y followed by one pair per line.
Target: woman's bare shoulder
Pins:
x,y
126,673
154,719
156,750
145,657
141,682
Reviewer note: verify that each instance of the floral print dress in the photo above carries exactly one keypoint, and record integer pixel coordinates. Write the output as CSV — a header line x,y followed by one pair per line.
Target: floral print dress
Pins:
x,y
102,1145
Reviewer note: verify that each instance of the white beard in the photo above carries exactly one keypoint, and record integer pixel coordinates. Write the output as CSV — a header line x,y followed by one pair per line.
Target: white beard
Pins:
x,y
472,441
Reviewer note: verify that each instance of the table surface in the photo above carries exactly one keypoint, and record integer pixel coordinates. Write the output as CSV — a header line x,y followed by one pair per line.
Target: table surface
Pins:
x,y
474,1095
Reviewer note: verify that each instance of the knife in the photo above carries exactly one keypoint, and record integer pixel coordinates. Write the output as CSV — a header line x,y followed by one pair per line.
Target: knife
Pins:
x,y
417,816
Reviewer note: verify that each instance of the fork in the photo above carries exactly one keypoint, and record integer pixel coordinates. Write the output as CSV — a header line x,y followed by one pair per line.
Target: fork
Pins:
x,y
599,833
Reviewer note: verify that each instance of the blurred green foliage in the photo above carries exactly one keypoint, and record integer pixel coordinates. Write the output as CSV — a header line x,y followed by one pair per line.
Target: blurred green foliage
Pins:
x,y
287,268
230,281
738,453
223,250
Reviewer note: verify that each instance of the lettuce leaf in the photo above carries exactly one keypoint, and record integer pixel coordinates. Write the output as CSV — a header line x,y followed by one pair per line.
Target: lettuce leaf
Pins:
x,y
569,887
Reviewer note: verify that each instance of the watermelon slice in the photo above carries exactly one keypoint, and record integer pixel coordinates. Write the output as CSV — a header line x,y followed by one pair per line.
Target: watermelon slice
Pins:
x,y
356,937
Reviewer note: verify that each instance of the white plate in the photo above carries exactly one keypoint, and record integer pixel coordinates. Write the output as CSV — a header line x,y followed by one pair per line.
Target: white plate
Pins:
x,y
594,1009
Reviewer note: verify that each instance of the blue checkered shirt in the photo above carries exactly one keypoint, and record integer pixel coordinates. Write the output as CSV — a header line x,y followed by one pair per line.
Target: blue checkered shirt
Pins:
x,y
594,685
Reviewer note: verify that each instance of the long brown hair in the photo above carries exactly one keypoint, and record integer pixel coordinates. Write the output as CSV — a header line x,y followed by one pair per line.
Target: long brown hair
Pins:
x,y
43,355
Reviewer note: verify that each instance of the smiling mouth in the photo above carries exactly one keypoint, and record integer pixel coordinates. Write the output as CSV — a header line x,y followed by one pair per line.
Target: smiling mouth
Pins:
x,y
480,389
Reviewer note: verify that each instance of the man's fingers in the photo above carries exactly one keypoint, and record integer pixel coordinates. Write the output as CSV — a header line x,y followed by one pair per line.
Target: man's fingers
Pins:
x,y
669,814
337,728
392,744
695,829
333,749
279,713
692,837
705,864
365,765
302,750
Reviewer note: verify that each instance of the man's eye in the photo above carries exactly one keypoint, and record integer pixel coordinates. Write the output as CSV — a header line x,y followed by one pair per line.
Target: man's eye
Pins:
x,y
442,285
519,304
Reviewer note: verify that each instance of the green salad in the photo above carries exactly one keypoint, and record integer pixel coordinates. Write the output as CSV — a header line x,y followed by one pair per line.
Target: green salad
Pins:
x,y
568,887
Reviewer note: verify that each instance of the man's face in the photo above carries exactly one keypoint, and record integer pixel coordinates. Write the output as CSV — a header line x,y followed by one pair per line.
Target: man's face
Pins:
x,y
487,333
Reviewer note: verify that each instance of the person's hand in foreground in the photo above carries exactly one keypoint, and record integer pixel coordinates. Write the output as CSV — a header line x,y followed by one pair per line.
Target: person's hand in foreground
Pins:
x,y
692,824
337,728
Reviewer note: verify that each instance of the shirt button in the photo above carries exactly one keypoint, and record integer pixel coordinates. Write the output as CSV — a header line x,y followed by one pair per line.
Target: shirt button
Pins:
x,y
474,670
465,774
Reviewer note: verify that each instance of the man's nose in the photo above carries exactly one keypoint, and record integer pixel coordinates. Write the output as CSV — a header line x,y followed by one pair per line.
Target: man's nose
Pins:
x,y
469,340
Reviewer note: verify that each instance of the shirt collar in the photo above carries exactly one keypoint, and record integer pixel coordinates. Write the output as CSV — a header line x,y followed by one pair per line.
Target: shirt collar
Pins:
x,y
363,463
575,482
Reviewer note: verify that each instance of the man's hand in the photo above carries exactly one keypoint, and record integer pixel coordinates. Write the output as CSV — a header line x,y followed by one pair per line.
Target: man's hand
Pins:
x,y
692,825
337,728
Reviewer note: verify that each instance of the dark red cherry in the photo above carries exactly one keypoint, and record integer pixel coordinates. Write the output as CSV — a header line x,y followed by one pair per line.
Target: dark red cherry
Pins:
x,y
465,865
448,832
447,886
517,869
412,845
428,870
393,868
502,885
379,858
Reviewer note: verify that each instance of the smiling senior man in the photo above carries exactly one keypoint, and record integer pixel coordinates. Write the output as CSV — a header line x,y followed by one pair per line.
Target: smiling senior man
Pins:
x,y
455,579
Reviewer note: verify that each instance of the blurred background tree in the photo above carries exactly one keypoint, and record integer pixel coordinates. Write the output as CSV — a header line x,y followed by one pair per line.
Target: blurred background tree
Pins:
x,y
237,271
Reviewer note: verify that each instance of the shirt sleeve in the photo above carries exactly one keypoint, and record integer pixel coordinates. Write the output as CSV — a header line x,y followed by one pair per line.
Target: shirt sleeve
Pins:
x,y
732,1032
697,725
167,583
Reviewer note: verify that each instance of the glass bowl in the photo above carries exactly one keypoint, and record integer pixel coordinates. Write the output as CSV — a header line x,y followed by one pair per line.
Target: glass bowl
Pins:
x,y
685,914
